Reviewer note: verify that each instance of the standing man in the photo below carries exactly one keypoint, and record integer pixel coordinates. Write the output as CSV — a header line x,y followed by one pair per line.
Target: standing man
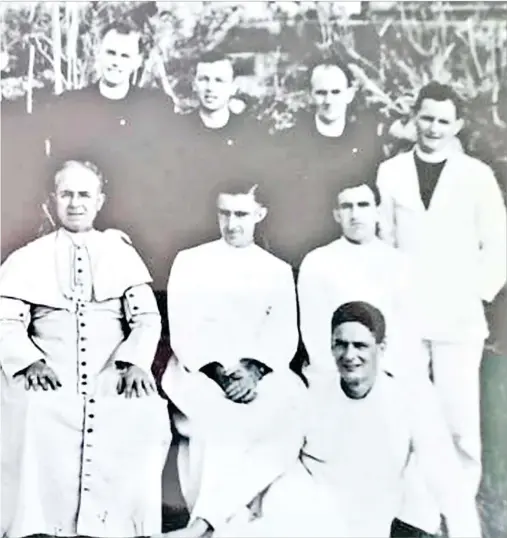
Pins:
x,y
445,210
213,143
358,266
364,425
85,435
327,144
233,328
122,128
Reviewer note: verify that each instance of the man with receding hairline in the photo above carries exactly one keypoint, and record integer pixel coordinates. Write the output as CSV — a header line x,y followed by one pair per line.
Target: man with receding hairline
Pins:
x,y
233,328
85,435
328,143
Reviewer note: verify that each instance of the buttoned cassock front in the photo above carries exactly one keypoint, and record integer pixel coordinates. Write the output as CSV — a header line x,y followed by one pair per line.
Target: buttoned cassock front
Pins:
x,y
457,248
224,304
81,460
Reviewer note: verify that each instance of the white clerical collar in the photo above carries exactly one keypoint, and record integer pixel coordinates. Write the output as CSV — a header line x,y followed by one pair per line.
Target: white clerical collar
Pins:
x,y
216,119
330,130
436,157
79,238
115,93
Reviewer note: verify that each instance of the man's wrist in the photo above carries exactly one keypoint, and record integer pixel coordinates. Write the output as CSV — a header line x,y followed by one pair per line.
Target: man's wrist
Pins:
x,y
257,367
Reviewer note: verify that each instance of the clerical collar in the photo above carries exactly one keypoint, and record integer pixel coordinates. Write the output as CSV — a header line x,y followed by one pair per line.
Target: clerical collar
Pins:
x,y
217,119
437,157
330,130
115,93
78,238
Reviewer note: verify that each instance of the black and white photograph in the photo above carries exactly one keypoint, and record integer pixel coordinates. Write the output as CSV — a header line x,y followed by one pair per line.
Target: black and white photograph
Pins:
x,y
253,269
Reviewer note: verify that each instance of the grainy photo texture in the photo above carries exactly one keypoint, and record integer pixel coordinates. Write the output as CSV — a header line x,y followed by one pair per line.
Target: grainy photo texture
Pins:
x,y
253,269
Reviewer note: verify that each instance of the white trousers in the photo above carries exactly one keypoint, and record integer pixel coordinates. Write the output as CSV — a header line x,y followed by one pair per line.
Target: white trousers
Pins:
x,y
455,367
229,452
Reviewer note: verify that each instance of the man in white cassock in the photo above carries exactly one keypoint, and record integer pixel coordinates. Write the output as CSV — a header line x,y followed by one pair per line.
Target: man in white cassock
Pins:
x,y
363,427
444,209
358,266
233,328
84,433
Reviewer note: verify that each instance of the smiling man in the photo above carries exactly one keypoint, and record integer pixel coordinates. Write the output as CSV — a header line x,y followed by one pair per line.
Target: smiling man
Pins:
x,y
84,433
444,209
233,328
363,427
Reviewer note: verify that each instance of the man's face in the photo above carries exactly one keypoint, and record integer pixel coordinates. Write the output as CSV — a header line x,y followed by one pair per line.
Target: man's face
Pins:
x,y
436,124
78,198
330,92
119,57
238,214
214,84
357,213
356,353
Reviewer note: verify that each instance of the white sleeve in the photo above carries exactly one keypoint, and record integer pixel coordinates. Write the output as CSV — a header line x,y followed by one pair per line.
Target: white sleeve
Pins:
x,y
277,341
387,217
17,351
491,225
315,318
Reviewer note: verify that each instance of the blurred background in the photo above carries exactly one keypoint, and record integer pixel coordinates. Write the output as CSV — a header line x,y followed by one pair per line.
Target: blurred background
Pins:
x,y
48,48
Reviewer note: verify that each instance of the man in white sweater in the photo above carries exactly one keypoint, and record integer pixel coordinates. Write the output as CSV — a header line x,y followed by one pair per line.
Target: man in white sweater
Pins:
x,y
357,266
233,328
363,426
444,209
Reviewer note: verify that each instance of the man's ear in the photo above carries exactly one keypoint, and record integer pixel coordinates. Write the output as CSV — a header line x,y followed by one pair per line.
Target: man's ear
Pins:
x,y
261,214
138,61
458,126
350,93
336,215
100,201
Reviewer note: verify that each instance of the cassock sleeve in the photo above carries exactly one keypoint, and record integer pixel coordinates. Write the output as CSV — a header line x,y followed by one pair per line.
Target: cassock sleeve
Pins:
x,y
278,336
313,305
17,351
433,444
193,334
491,225
387,217
143,318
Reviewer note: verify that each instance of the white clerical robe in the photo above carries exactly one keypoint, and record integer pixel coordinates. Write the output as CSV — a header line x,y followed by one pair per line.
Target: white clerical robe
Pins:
x,y
81,460
224,304
349,478
373,272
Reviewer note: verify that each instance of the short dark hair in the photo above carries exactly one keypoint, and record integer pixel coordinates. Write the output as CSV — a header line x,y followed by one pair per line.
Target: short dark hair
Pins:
x,y
88,165
241,186
354,181
211,57
123,27
364,313
330,61
439,92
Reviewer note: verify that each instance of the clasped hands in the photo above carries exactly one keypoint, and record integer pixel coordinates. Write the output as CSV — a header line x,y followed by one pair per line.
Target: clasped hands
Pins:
x,y
133,381
240,382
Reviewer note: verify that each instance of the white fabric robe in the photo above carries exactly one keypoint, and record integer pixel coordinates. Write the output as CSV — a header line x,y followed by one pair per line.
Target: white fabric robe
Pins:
x,y
81,460
457,246
224,304
374,272
349,479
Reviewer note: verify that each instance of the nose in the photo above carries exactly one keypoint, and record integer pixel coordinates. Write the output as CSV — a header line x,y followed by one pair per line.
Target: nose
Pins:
x,y
349,353
232,221
74,200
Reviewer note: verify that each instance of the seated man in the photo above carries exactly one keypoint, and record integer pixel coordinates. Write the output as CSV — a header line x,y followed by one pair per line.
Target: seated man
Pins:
x,y
358,266
233,327
85,436
364,426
